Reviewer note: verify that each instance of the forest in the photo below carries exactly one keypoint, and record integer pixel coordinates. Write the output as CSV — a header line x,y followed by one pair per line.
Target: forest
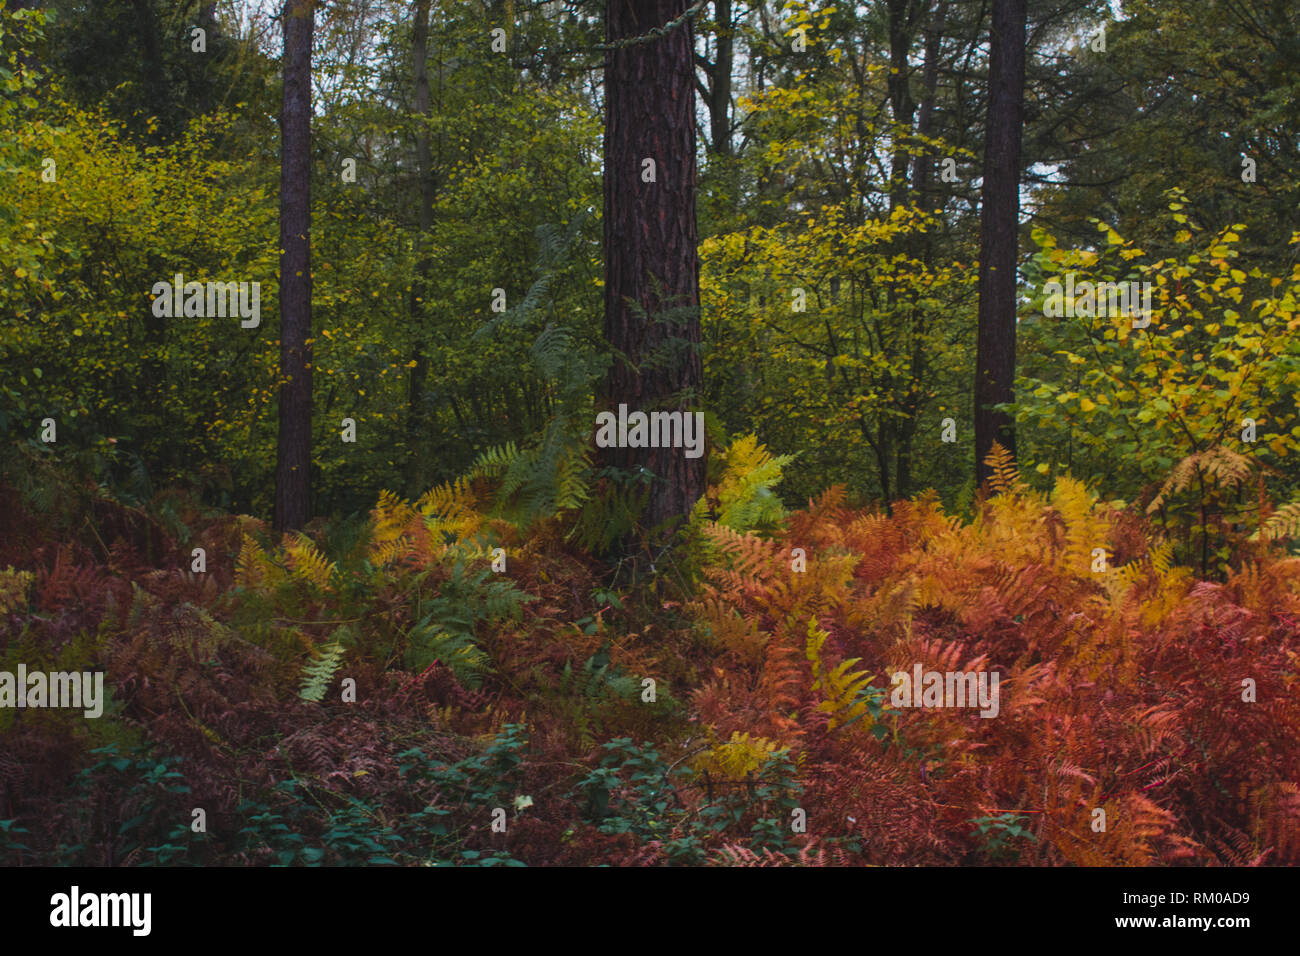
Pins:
x,y
650,433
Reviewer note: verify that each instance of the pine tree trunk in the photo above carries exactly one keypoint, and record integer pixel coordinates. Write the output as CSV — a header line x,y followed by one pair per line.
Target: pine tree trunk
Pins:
x,y
293,459
995,360
651,256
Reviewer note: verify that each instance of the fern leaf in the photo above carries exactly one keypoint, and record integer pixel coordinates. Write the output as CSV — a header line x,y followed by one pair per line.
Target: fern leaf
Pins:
x,y
316,676
1283,523
1005,476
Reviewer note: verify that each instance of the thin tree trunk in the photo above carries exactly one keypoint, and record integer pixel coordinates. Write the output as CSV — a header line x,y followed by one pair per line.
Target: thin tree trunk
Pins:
x,y
720,81
921,168
995,361
651,256
293,459
415,417
154,79
924,162
902,17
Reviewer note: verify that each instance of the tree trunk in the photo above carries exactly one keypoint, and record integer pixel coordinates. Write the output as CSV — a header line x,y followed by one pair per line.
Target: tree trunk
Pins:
x,y
995,359
293,458
154,76
923,248
651,256
924,160
902,14
415,417
720,80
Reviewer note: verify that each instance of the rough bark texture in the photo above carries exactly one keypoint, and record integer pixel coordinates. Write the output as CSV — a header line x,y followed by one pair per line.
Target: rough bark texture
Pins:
x,y
995,361
651,256
293,458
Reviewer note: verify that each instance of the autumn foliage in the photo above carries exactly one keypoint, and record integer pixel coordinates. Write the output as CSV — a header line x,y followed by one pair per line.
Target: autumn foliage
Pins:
x,y
770,641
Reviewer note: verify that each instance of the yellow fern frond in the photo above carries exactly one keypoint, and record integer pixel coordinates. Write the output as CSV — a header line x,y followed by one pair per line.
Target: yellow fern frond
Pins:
x,y
840,687
1005,476
1084,528
390,538
738,757
307,563
451,509
13,588
254,568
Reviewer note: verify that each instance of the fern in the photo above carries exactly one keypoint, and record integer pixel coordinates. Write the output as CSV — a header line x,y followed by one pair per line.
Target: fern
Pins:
x,y
13,589
743,496
447,627
254,567
1283,523
456,649
1005,476
306,563
317,674
1217,466
1084,532
738,757
841,688
551,472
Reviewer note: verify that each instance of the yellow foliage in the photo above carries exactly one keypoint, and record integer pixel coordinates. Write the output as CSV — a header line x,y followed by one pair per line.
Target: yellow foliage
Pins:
x,y
306,563
839,686
13,589
254,567
738,757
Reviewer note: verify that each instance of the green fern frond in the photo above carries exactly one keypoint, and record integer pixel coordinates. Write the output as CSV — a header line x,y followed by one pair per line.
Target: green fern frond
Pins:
x,y
495,461
744,496
318,673
467,660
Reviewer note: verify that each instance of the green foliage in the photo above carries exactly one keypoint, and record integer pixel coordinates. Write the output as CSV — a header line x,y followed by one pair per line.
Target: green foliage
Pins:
x,y
317,675
448,623
999,833
10,848
551,473
633,790
145,819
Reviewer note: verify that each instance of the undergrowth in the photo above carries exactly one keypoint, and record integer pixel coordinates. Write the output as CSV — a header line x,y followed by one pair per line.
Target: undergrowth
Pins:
x,y
455,682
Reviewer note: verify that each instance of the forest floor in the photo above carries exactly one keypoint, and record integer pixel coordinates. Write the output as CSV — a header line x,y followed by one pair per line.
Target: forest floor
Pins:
x,y
375,692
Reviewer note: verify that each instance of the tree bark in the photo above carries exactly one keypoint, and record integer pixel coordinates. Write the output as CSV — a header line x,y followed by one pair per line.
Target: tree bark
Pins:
x,y
995,361
719,72
924,245
293,457
415,417
650,236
